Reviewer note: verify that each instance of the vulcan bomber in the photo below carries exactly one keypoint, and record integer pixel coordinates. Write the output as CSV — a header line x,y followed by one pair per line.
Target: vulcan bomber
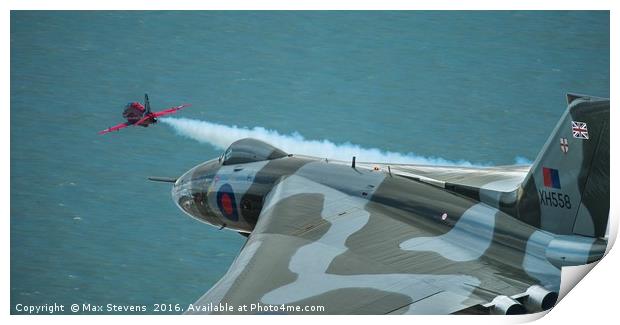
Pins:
x,y
379,238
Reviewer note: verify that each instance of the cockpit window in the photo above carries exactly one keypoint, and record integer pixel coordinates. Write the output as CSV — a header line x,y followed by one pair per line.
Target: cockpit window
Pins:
x,y
250,150
228,153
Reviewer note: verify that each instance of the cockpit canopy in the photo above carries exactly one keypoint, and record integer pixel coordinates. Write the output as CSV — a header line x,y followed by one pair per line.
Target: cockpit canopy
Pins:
x,y
250,150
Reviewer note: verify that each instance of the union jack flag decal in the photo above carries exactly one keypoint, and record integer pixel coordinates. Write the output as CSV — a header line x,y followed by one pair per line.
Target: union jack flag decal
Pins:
x,y
580,130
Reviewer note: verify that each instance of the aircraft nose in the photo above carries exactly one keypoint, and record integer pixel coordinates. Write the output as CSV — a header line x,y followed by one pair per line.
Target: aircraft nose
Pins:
x,y
190,193
182,194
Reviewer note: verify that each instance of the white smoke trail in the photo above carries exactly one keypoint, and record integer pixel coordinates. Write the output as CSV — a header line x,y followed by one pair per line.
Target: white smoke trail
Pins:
x,y
519,160
221,136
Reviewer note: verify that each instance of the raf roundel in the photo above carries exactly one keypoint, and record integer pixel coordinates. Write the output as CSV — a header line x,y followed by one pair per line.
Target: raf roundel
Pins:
x,y
226,202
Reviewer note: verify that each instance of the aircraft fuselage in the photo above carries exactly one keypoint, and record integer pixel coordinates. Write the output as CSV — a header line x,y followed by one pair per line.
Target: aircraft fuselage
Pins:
x,y
232,196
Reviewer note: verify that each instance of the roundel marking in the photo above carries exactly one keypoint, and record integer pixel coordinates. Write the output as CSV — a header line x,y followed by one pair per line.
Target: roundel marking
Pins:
x,y
226,202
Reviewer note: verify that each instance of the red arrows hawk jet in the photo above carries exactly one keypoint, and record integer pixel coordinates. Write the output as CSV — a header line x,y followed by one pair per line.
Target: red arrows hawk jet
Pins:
x,y
138,114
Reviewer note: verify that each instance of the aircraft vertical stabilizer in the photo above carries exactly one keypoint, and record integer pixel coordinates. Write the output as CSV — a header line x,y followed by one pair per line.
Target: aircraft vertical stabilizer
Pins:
x,y
567,189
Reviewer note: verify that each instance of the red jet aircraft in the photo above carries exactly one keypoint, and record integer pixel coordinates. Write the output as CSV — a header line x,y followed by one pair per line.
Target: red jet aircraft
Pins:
x,y
138,114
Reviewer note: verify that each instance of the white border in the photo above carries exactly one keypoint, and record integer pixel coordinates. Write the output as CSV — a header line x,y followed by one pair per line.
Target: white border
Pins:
x,y
311,5
593,300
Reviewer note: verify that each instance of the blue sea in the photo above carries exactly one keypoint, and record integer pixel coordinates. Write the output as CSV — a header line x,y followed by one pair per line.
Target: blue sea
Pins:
x,y
481,88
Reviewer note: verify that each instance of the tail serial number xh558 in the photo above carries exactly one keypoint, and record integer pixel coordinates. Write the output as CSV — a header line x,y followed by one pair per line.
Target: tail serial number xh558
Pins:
x,y
406,239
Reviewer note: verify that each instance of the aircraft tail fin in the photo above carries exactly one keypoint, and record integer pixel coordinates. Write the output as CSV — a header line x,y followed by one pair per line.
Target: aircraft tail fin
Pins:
x,y
567,188
147,104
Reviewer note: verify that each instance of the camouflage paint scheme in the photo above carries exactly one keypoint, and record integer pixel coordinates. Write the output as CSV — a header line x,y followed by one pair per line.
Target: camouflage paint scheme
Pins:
x,y
406,239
